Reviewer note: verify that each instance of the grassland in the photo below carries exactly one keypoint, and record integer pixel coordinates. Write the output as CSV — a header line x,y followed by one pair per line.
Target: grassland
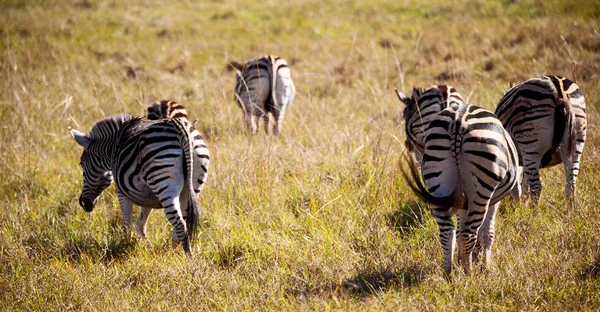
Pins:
x,y
319,219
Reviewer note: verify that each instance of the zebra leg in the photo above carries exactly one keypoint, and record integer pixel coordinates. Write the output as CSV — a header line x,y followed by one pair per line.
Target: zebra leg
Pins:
x,y
534,181
518,190
126,210
487,233
174,214
571,164
140,224
443,217
278,116
266,119
471,221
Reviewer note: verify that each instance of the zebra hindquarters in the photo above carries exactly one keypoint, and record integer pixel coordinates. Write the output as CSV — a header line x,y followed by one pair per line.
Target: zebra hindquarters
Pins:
x,y
253,91
440,176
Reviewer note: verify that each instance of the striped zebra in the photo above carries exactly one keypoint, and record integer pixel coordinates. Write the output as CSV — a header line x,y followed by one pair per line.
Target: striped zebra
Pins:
x,y
151,162
264,86
421,108
469,165
546,118
172,109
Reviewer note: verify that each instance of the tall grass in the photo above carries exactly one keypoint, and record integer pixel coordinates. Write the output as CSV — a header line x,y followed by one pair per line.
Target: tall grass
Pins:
x,y
316,219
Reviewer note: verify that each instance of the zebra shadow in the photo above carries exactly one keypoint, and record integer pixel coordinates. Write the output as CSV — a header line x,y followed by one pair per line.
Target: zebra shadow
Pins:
x,y
407,216
591,271
369,282
366,283
118,248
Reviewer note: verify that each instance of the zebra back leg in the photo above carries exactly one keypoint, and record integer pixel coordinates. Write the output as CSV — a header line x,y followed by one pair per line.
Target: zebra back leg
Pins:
x,y
126,210
487,233
571,165
532,183
470,221
168,191
443,217
140,224
285,92
266,119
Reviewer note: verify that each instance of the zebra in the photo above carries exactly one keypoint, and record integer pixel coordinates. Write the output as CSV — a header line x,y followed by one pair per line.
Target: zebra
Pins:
x,y
546,118
172,109
264,86
421,108
469,165
151,162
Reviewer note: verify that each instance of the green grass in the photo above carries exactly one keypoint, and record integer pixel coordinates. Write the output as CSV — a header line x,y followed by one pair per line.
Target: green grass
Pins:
x,y
319,219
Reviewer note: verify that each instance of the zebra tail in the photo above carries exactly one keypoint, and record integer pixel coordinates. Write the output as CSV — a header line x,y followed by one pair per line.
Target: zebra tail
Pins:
x,y
193,209
415,182
193,219
564,119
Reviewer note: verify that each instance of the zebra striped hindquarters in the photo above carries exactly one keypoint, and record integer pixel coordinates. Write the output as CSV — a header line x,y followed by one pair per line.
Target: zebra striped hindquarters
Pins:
x,y
172,109
151,162
264,86
421,108
470,164
546,118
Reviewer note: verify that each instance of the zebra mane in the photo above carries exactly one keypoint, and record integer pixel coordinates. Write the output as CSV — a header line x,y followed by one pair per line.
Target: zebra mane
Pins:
x,y
108,127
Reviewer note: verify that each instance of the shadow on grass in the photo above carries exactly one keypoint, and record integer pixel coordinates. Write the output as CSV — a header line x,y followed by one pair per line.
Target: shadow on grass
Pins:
x,y
114,248
366,283
407,217
591,271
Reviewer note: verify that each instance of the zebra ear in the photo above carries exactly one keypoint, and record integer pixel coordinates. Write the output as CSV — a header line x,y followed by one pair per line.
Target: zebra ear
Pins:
x,y
80,138
402,97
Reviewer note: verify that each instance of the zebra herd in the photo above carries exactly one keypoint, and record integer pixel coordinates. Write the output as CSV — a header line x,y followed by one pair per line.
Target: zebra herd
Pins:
x,y
466,158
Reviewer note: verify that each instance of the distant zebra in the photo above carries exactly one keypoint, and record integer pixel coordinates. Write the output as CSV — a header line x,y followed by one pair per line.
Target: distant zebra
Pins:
x,y
470,164
264,85
421,108
172,109
546,118
151,162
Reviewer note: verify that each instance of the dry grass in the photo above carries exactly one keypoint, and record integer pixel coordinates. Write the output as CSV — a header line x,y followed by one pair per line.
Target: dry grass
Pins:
x,y
318,219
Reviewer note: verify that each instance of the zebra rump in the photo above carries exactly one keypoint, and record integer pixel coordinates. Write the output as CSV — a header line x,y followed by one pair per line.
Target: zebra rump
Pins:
x,y
172,109
546,118
264,86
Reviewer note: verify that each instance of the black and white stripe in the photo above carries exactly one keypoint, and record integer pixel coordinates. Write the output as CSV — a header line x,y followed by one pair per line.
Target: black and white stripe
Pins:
x,y
172,109
470,164
546,117
421,108
264,86
151,162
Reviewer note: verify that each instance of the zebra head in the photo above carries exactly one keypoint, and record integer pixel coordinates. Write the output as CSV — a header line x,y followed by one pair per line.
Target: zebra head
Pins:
x,y
96,158
411,116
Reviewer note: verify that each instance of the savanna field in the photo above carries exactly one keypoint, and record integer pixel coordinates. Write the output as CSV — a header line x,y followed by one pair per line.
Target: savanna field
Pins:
x,y
319,218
